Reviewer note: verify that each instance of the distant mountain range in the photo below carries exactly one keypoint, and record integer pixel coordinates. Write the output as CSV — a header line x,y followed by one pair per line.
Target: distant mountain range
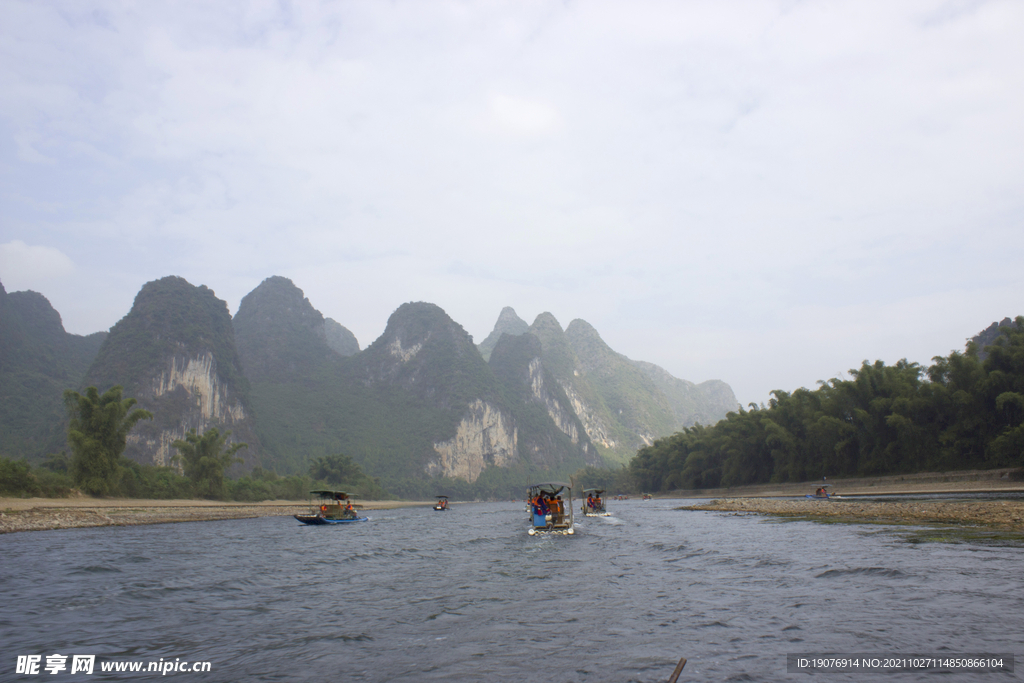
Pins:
x,y
419,408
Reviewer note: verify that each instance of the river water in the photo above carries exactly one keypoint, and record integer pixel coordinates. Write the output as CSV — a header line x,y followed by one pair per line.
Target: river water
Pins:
x,y
467,595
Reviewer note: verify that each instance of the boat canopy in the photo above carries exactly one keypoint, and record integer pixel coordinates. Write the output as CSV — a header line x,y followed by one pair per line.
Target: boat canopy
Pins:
x,y
597,491
333,495
552,487
445,497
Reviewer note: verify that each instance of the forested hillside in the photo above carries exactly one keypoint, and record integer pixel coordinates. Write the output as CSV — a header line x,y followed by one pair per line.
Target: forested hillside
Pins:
x,y
621,404
175,353
38,361
962,412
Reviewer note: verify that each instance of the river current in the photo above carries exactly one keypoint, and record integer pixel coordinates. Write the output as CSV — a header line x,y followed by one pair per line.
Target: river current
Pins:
x,y
468,595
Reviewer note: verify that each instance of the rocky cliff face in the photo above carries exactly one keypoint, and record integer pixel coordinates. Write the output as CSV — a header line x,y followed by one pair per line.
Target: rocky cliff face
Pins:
x,y
551,435
485,436
429,382
430,356
508,323
175,354
563,418
620,404
339,338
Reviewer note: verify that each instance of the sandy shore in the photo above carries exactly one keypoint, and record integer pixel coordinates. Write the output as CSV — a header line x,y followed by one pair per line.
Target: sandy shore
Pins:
x,y
992,514
784,500
968,481
39,514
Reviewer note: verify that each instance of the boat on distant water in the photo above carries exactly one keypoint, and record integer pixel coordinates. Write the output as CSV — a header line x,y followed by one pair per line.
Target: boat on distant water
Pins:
x,y
822,492
593,503
442,503
331,507
550,513
648,496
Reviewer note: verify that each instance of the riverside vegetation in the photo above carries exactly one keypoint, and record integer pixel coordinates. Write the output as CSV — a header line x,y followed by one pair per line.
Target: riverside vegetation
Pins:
x,y
553,404
966,411
98,433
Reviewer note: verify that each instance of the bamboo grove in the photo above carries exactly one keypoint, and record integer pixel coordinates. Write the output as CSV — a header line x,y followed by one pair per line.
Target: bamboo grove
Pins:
x,y
966,411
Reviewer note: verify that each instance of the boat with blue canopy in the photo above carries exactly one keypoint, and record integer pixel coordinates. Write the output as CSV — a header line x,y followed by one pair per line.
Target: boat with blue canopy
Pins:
x,y
331,507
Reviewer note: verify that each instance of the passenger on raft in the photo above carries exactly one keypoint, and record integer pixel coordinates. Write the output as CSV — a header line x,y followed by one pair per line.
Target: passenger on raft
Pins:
x,y
540,510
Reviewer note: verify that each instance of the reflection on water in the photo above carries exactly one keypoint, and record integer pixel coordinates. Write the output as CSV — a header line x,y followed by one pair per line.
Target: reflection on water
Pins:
x,y
468,595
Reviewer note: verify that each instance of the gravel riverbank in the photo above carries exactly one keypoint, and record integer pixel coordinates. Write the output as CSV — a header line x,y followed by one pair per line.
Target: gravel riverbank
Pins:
x,y
39,514
994,514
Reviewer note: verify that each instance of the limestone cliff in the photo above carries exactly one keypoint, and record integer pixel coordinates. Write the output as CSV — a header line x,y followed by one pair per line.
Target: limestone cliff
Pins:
x,y
175,354
621,405
191,389
551,436
484,437
564,419
339,338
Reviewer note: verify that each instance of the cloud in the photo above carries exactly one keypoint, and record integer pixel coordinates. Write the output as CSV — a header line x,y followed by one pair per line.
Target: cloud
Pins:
x,y
528,117
694,179
24,266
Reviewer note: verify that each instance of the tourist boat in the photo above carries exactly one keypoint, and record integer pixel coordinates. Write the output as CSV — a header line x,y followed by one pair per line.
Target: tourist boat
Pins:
x,y
556,515
648,496
331,507
822,492
593,503
442,503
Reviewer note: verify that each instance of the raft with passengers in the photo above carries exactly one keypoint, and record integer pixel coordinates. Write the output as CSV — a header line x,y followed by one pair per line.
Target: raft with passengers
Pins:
x,y
550,508
823,492
331,507
593,504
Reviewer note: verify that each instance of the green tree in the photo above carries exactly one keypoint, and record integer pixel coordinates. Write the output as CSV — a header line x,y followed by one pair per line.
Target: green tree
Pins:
x,y
98,435
204,459
336,469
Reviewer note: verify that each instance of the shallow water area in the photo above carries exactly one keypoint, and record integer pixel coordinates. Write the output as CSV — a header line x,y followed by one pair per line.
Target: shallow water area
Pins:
x,y
468,595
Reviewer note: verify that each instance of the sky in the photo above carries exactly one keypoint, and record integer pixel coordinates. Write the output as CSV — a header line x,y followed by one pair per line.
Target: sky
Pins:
x,y
765,193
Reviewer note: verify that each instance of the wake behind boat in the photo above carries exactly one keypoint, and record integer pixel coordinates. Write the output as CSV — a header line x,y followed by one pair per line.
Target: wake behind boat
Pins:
x,y
331,507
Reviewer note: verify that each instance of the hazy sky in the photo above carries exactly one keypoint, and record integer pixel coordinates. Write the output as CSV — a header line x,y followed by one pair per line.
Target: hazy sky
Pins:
x,y
766,193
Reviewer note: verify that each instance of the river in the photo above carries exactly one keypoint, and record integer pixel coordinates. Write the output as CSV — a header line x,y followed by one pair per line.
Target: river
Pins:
x,y
467,595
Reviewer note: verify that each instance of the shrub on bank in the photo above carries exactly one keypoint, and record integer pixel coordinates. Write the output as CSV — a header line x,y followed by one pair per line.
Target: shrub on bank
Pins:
x,y
19,480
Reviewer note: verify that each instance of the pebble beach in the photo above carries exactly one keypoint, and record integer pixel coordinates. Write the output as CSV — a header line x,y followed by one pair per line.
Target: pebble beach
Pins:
x,y
993,514
39,514
857,501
